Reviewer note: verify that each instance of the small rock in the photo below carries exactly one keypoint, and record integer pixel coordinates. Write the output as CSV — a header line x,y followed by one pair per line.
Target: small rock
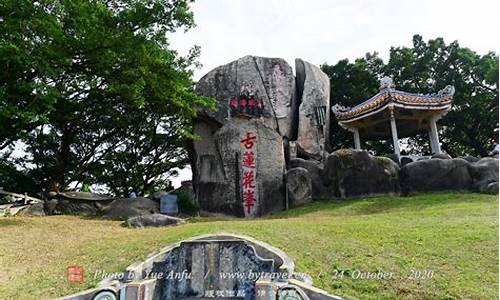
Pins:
x,y
491,188
153,220
319,189
124,208
35,209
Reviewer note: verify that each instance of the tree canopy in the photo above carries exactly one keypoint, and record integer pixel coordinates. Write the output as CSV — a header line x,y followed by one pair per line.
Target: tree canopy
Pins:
x,y
92,92
468,129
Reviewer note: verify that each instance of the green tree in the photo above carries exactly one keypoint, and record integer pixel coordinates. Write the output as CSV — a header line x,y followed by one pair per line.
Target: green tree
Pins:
x,y
91,87
429,66
425,68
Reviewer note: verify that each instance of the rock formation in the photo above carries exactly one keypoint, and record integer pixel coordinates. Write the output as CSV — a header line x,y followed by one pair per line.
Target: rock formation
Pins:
x,y
125,208
269,80
484,174
355,173
299,186
313,112
450,174
239,161
321,189
153,220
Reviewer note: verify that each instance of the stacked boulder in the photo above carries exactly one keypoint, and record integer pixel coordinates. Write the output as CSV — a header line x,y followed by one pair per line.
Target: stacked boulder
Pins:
x,y
313,114
355,173
299,186
240,160
443,174
484,175
320,189
350,173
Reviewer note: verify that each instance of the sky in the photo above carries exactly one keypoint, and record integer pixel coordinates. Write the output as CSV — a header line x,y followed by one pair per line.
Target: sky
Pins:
x,y
322,31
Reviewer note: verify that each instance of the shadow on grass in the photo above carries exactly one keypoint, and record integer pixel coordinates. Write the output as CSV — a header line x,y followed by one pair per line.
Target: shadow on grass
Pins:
x,y
374,205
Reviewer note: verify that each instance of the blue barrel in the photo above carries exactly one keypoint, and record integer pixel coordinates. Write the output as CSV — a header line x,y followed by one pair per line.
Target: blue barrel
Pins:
x,y
168,205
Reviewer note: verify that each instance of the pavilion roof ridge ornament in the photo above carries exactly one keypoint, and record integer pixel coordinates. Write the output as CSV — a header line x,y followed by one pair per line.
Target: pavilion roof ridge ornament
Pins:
x,y
447,91
387,83
388,95
340,108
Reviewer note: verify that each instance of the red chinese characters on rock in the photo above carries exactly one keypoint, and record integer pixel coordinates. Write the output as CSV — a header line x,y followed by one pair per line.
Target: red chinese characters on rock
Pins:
x,y
248,164
250,107
248,159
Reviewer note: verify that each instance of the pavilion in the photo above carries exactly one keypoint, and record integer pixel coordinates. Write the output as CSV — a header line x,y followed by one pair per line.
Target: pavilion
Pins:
x,y
396,114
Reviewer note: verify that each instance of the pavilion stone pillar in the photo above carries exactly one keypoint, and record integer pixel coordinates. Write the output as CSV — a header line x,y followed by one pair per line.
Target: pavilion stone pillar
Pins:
x,y
434,136
432,142
355,133
394,132
357,141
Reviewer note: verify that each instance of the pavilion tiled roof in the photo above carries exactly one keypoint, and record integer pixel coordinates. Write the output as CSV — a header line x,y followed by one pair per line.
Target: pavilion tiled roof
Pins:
x,y
440,101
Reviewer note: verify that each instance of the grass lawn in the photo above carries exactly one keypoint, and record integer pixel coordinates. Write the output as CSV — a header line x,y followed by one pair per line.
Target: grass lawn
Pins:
x,y
453,235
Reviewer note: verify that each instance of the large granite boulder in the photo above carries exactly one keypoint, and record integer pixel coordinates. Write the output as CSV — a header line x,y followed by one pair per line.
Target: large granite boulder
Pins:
x,y
450,174
484,174
238,178
313,87
257,96
77,203
299,186
33,210
84,208
268,79
355,173
320,188
254,98
153,220
435,175
124,208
